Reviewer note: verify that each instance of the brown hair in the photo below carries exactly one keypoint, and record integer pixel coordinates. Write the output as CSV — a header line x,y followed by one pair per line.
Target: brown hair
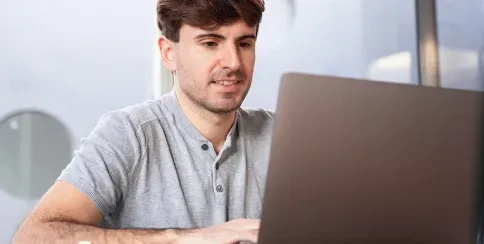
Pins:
x,y
206,14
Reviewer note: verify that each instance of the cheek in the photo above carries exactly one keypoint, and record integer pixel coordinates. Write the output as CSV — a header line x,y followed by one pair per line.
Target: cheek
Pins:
x,y
203,69
197,68
248,63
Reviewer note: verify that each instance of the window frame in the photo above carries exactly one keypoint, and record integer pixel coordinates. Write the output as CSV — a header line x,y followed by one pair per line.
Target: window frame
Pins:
x,y
427,43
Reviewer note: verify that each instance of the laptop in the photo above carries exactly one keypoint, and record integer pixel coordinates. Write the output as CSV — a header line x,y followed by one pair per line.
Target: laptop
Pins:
x,y
359,162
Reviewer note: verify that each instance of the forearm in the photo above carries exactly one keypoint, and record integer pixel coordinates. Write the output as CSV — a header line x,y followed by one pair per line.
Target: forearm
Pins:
x,y
64,232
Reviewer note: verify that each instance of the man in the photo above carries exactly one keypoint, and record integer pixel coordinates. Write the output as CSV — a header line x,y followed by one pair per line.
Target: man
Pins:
x,y
189,167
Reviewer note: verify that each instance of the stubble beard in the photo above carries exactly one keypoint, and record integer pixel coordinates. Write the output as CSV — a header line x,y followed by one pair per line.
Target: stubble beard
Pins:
x,y
201,98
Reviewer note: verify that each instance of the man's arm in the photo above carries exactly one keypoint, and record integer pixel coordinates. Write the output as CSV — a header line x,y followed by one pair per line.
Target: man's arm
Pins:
x,y
66,215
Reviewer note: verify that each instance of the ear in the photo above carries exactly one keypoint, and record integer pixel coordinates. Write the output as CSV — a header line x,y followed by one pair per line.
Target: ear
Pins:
x,y
167,51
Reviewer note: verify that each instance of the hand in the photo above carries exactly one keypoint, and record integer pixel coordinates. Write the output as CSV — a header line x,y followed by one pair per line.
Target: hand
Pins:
x,y
232,232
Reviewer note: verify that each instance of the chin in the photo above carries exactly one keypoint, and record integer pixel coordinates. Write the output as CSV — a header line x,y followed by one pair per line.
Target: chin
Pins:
x,y
221,111
225,102
223,107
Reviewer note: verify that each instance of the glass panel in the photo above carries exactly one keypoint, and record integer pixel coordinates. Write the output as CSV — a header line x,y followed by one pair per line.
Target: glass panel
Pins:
x,y
461,43
374,39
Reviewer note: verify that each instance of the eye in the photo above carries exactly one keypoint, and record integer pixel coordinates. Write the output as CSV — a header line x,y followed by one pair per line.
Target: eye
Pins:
x,y
245,45
210,44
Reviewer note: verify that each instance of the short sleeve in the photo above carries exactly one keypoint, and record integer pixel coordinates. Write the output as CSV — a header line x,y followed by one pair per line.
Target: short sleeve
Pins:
x,y
101,166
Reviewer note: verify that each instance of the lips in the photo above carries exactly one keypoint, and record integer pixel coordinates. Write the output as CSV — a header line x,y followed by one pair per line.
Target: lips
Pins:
x,y
228,86
227,82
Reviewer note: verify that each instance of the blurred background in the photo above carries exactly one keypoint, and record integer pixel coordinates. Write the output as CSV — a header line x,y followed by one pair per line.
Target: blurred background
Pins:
x,y
63,64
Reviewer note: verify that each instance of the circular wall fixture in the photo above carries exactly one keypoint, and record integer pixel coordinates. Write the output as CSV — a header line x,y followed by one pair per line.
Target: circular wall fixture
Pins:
x,y
34,149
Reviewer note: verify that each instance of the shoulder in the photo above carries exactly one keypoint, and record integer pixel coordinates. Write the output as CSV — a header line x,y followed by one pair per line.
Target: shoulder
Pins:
x,y
257,120
257,114
125,129
143,112
138,115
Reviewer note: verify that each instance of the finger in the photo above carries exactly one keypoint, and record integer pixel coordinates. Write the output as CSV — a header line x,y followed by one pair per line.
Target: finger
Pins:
x,y
248,235
249,224
254,225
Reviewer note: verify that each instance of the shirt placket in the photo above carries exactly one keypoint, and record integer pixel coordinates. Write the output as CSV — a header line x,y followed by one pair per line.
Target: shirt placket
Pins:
x,y
218,183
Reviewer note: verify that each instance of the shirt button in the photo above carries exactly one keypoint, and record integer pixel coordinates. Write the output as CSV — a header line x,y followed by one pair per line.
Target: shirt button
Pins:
x,y
217,166
220,188
204,147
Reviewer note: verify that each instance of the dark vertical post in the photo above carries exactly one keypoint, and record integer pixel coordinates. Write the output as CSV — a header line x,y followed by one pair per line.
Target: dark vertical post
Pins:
x,y
427,45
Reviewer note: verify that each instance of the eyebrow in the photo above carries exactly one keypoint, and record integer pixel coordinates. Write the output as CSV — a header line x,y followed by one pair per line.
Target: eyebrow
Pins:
x,y
218,36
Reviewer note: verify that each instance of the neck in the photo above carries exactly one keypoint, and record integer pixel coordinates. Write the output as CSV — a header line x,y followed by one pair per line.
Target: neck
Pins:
x,y
214,127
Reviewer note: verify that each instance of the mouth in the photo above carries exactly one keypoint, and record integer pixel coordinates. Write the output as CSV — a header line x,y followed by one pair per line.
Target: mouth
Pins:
x,y
227,82
228,86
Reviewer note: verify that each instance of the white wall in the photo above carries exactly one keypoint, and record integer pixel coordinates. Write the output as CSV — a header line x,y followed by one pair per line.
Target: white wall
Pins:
x,y
74,60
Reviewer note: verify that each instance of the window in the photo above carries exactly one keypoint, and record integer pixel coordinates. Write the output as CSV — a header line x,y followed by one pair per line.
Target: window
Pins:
x,y
374,39
461,43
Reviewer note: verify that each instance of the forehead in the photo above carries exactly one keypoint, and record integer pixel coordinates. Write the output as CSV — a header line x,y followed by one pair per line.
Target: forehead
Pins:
x,y
236,29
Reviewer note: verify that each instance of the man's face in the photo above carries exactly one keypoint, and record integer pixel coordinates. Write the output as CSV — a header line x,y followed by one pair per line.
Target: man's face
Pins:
x,y
215,68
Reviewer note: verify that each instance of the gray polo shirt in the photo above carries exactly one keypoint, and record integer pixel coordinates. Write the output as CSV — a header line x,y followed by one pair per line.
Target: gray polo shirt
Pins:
x,y
147,166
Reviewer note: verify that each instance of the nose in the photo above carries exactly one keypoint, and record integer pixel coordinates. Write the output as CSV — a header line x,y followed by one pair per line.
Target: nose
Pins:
x,y
231,57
